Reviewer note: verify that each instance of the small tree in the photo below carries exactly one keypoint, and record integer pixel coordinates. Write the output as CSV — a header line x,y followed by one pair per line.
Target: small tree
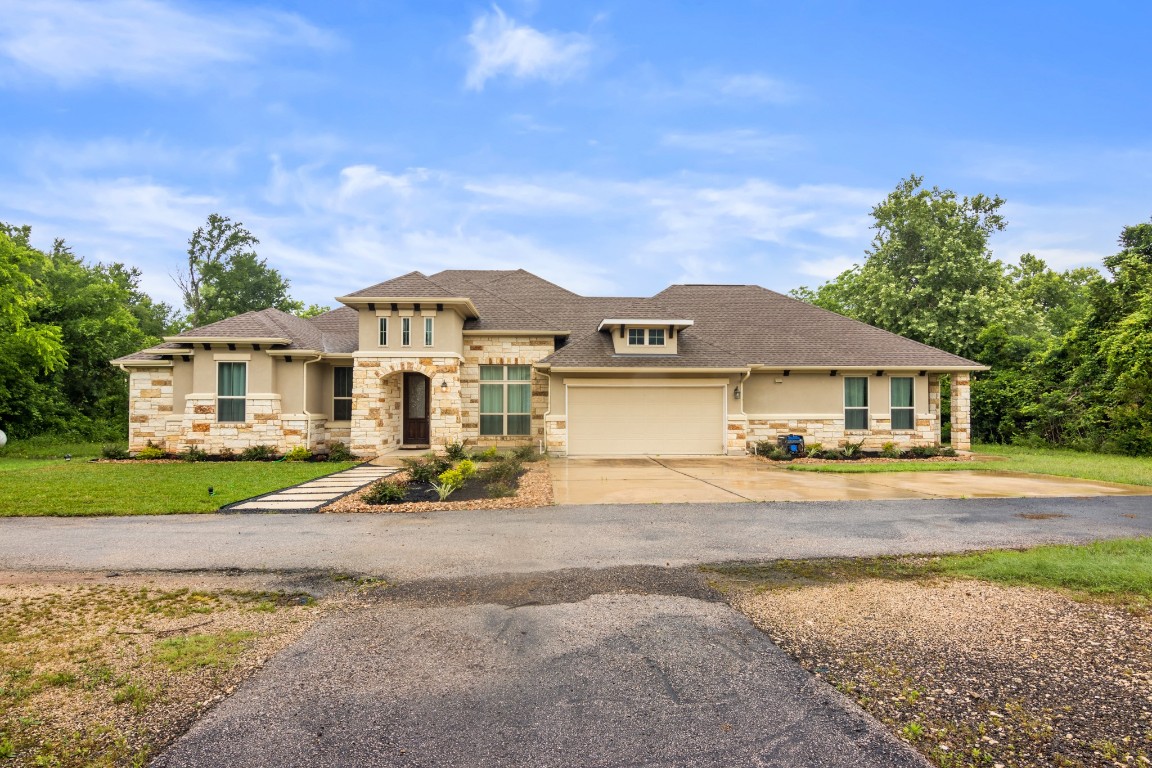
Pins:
x,y
225,277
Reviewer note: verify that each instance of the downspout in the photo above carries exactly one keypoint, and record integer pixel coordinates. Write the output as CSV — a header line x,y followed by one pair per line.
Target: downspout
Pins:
x,y
744,413
307,413
548,410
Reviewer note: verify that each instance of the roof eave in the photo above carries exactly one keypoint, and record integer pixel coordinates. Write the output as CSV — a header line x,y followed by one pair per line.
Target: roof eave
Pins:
x,y
505,332
357,302
228,339
873,367
642,369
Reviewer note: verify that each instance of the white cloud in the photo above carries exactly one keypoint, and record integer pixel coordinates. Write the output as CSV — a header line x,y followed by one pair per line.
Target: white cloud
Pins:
x,y
136,41
755,86
738,141
500,46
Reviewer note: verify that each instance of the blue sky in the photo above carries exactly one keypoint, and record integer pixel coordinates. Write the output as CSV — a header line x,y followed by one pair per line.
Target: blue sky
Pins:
x,y
613,147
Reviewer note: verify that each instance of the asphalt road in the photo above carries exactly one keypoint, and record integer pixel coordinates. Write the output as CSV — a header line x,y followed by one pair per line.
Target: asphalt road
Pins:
x,y
573,669
458,544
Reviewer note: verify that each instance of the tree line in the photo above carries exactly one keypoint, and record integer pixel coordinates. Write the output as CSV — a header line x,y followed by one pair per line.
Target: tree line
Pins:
x,y
62,319
1070,351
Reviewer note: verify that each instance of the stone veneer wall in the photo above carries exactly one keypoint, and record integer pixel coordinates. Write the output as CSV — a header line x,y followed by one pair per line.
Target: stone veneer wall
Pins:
x,y
830,432
153,420
377,405
150,407
962,411
505,350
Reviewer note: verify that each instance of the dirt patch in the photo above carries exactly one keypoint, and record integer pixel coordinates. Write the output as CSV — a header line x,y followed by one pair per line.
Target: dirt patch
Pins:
x,y
535,490
974,674
100,669
1042,515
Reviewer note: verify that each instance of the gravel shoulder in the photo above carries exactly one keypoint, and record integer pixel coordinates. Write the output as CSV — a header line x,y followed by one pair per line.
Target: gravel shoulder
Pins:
x,y
976,674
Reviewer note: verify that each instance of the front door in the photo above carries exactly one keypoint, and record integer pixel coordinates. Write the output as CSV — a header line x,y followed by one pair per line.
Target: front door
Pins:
x,y
415,409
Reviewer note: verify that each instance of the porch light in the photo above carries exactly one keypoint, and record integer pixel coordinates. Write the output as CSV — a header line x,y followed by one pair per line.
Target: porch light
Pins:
x,y
736,392
443,385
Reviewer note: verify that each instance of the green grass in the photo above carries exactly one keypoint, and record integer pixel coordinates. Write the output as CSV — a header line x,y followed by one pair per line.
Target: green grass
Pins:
x,y
30,487
1131,470
50,448
1118,569
199,651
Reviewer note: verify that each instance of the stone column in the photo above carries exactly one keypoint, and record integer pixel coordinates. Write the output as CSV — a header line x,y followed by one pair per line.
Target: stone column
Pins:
x,y
962,411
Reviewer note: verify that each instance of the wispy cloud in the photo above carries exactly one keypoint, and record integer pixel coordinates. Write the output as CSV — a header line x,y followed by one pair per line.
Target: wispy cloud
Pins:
x,y
754,86
72,42
501,46
737,141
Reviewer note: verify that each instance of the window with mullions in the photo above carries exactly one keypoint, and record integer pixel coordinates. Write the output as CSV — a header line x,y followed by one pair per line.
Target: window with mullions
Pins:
x,y
855,402
342,393
405,331
903,406
427,331
231,389
655,337
505,400
383,324
636,337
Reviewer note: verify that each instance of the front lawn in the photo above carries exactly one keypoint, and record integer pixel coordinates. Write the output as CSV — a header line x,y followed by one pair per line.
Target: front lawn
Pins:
x,y
56,487
1110,468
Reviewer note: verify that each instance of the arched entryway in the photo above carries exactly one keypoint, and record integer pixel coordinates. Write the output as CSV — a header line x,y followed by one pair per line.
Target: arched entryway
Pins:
x,y
416,394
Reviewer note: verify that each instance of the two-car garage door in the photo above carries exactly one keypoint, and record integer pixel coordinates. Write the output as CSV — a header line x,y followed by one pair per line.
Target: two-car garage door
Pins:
x,y
639,420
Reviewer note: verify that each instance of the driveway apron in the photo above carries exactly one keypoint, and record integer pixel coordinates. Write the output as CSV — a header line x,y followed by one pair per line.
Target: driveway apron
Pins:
x,y
610,680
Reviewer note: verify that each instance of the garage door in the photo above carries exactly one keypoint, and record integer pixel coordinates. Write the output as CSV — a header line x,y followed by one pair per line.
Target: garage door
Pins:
x,y
624,421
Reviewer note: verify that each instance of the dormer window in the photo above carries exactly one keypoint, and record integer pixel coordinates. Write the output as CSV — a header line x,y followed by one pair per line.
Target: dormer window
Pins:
x,y
636,337
656,337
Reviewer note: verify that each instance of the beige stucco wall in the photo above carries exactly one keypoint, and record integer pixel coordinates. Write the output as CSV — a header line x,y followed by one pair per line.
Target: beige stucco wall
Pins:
x,y
822,394
447,326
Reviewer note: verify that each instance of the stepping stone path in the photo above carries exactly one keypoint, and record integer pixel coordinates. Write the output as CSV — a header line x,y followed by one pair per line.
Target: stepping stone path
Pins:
x,y
314,494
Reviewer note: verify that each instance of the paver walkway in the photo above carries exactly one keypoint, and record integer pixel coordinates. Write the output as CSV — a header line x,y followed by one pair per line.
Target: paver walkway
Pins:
x,y
314,494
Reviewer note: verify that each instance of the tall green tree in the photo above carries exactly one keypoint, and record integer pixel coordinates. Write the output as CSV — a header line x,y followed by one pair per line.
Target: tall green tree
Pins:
x,y
224,276
929,274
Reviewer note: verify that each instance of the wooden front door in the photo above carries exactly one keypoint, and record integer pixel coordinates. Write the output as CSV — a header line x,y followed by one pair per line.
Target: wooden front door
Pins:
x,y
415,409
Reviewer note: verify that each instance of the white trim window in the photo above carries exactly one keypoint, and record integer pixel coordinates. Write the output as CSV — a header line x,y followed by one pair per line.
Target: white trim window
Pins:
x,y
855,402
505,400
903,402
428,331
231,391
342,393
655,337
636,337
405,331
383,330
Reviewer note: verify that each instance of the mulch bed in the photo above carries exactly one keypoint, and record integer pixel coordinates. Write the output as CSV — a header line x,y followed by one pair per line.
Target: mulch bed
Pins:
x,y
534,490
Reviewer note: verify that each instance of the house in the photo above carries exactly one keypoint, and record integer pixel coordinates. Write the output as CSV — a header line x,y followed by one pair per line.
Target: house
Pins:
x,y
506,358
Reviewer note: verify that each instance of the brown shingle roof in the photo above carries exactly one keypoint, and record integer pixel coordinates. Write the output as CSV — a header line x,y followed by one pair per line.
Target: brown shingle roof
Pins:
x,y
411,285
734,325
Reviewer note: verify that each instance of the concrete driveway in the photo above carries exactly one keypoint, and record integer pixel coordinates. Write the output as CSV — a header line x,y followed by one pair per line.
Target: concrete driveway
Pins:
x,y
649,480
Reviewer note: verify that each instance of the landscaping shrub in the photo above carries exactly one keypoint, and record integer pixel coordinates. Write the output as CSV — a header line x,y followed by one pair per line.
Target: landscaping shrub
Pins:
x,y
764,448
452,480
299,453
852,451
488,454
815,450
258,453
425,470
192,453
923,451
890,450
456,451
227,454
113,451
150,451
499,490
946,450
340,452
385,492
527,453
505,470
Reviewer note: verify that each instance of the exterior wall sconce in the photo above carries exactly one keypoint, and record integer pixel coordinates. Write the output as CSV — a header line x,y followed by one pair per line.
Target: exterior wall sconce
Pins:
x,y
736,392
443,385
